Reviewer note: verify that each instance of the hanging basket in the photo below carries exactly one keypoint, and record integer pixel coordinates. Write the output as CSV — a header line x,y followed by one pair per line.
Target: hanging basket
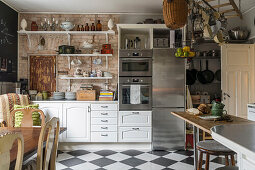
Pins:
x,y
175,13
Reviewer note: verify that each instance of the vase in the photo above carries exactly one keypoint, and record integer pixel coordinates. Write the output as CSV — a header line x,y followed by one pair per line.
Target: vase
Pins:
x,y
23,24
110,24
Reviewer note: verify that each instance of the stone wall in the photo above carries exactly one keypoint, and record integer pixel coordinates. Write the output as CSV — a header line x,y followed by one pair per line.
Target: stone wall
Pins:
x,y
53,41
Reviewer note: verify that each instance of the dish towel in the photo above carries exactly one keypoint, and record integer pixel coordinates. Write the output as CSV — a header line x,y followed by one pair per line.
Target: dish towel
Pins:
x,y
189,99
135,94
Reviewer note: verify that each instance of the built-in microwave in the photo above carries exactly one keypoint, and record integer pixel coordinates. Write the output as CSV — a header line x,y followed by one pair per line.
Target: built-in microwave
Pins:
x,y
135,63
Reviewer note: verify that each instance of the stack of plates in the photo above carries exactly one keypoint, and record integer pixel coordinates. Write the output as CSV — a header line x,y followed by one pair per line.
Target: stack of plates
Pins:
x,y
58,95
70,95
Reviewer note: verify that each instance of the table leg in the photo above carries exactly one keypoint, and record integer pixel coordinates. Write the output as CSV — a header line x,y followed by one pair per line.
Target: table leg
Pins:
x,y
195,130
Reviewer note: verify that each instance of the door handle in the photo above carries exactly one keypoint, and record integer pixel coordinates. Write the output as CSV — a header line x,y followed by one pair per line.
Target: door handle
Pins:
x,y
226,94
104,121
105,114
135,128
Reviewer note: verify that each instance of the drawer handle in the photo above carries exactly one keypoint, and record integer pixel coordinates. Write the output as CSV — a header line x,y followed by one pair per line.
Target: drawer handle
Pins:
x,y
104,120
104,106
104,114
104,127
104,135
135,113
135,128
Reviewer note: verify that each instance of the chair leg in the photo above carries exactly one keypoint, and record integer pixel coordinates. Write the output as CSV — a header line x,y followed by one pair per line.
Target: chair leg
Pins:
x,y
233,160
207,161
226,160
200,161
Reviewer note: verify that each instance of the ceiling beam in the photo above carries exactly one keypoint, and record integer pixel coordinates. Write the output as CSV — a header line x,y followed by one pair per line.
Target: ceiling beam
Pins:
x,y
232,2
227,11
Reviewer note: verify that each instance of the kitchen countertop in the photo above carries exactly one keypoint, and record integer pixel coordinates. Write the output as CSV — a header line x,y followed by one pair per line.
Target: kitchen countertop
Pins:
x,y
71,101
240,138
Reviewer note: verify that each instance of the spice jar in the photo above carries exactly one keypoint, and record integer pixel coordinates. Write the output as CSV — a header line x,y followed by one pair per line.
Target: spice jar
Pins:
x,y
34,26
93,28
78,28
87,27
99,26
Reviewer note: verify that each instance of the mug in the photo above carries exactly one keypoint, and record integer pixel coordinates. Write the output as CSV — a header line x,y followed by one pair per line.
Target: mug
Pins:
x,y
218,112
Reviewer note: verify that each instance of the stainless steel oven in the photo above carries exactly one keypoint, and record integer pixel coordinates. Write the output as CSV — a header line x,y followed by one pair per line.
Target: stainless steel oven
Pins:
x,y
135,63
144,93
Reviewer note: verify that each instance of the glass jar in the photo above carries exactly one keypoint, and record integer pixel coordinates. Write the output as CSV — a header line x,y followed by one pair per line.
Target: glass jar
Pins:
x,y
99,26
93,28
87,27
34,26
78,28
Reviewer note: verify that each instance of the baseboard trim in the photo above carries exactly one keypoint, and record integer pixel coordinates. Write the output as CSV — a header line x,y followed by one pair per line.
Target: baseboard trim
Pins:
x,y
99,146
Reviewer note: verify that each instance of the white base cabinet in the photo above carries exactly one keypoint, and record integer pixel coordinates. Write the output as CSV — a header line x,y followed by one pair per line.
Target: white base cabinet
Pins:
x,y
134,134
76,119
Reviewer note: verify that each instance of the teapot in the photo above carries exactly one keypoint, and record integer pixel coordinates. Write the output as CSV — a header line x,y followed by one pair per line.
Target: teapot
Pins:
x,y
67,25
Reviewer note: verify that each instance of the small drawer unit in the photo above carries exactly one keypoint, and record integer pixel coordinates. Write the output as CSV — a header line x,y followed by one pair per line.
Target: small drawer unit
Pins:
x,y
103,136
134,134
103,107
104,120
135,118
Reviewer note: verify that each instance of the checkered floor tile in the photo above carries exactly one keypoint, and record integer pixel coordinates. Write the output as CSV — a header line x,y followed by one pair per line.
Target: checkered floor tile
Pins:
x,y
130,160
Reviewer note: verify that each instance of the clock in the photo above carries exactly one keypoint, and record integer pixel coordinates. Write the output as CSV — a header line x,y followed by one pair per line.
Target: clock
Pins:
x,y
4,35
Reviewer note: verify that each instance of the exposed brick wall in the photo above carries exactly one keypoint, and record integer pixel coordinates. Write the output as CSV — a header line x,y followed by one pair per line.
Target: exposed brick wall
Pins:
x,y
53,41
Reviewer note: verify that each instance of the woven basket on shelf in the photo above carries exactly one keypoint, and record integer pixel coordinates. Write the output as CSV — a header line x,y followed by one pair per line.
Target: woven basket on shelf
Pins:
x,y
175,13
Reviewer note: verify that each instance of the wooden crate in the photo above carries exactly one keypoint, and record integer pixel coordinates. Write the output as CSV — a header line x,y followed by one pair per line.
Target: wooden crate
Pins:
x,y
86,95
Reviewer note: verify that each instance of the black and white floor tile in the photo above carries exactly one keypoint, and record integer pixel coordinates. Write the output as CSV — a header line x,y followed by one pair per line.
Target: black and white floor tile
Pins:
x,y
130,160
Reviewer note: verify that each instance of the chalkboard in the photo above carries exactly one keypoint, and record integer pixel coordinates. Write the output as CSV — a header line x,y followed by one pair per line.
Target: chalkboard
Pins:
x,y
8,43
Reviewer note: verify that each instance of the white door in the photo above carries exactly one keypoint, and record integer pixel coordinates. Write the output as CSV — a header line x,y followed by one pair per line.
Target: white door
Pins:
x,y
237,78
76,118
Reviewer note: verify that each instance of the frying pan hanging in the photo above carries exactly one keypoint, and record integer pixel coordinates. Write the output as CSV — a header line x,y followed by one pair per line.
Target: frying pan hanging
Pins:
x,y
191,75
208,74
200,76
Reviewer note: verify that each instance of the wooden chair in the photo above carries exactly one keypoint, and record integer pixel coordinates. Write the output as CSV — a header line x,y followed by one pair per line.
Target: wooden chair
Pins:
x,y
6,142
27,120
211,147
47,156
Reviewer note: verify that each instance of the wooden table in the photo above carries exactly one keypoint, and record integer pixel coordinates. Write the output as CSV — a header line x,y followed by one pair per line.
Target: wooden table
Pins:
x,y
31,138
204,125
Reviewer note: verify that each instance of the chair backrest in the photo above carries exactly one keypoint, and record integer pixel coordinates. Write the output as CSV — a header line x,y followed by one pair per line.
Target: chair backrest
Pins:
x,y
51,131
7,102
27,120
6,142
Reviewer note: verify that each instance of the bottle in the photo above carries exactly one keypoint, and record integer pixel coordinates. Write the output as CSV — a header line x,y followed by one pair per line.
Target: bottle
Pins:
x,y
82,28
93,28
78,28
99,26
87,27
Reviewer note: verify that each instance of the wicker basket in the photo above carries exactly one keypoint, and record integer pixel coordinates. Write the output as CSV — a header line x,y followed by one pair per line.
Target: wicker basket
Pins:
x,y
175,13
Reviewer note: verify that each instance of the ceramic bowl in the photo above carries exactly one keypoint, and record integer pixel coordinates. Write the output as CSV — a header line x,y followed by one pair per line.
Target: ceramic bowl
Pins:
x,y
67,25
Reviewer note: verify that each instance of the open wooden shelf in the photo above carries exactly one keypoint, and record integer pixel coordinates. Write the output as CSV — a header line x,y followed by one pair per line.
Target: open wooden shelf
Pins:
x,y
85,78
86,55
66,32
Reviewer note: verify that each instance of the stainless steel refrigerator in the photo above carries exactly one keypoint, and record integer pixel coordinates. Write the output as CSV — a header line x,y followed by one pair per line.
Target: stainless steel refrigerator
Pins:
x,y
168,89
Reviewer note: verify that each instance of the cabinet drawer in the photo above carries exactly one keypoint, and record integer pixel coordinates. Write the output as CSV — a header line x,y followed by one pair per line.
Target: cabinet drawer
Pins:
x,y
135,118
104,121
104,107
134,134
104,128
103,136
104,114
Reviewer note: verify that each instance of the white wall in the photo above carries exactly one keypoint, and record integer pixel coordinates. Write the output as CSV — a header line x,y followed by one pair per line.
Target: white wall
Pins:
x,y
135,18
248,20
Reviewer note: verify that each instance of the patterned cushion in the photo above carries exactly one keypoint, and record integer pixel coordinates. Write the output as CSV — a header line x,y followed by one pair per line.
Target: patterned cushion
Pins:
x,y
7,102
19,115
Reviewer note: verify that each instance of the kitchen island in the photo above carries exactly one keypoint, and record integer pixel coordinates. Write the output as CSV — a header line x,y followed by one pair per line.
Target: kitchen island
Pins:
x,y
239,138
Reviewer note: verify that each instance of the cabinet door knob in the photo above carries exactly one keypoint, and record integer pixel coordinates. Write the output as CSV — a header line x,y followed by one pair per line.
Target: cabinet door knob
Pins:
x,y
104,106
104,135
135,128
104,113
104,127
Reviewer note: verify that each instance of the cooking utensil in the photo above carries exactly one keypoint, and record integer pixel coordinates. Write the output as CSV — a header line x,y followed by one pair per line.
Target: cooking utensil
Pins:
x,y
191,75
238,34
218,75
200,76
208,74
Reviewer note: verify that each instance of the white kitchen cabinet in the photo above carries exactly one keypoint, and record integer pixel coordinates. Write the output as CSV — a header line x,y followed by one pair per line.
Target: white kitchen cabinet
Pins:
x,y
104,114
104,121
52,110
103,107
247,163
237,80
104,137
76,118
134,134
103,128
135,118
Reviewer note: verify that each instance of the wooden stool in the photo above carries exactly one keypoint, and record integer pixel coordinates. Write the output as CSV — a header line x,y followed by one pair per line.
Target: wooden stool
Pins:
x,y
211,147
228,168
